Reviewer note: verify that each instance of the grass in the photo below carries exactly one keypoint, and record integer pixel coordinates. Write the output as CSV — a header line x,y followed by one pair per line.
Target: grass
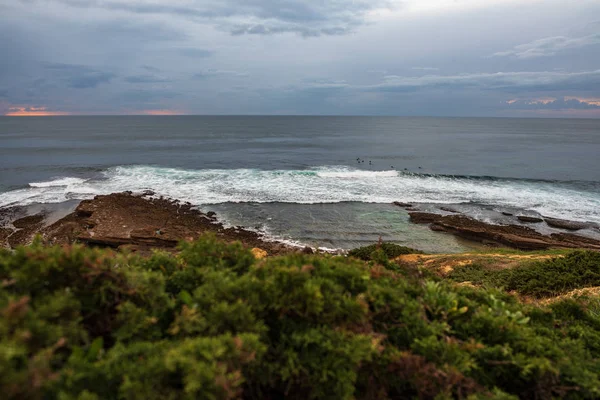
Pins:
x,y
559,275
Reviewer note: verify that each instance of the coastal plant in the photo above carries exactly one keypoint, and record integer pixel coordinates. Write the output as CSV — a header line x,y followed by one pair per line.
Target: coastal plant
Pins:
x,y
212,322
391,251
558,275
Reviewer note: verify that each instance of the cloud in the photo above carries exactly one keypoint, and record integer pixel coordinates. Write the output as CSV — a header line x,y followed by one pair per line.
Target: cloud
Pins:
x,y
254,17
146,79
150,68
197,53
593,101
143,97
32,111
507,81
425,69
3,93
549,46
208,73
124,29
565,103
79,76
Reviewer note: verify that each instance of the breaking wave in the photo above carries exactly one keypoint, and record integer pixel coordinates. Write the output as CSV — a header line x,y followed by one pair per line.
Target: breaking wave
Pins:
x,y
319,185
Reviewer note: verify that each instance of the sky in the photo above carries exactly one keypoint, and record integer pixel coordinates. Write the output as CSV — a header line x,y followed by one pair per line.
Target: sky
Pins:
x,y
500,58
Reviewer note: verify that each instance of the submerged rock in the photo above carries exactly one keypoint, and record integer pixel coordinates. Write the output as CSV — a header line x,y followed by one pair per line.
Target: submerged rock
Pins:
x,y
526,218
450,210
565,224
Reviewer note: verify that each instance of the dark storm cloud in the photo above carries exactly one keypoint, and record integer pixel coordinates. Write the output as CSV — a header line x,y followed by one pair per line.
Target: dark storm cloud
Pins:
x,y
78,76
550,46
253,17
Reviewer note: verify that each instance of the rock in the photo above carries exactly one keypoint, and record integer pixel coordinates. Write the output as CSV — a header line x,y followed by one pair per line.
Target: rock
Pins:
x,y
212,215
145,193
525,218
423,217
28,221
516,236
259,254
4,234
124,220
308,250
403,205
507,214
565,224
450,210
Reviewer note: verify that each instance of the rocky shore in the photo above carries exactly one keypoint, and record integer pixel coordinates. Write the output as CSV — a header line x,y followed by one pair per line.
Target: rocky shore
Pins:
x,y
141,222
137,222
514,236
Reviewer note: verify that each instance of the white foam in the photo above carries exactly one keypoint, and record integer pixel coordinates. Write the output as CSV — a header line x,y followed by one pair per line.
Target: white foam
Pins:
x,y
357,174
58,182
318,185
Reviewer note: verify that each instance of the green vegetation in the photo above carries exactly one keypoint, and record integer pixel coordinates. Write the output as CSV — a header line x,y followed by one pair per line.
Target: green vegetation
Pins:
x,y
577,269
391,251
214,323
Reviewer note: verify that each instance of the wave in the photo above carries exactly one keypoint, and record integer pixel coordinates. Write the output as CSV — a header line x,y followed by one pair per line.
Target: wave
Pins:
x,y
58,182
318,185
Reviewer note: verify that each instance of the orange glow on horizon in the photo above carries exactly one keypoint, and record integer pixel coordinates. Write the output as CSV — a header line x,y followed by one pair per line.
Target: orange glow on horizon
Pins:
x,y
33,112
543,100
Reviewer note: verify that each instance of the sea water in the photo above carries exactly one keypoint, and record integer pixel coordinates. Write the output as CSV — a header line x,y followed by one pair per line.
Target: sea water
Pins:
x,y
319,181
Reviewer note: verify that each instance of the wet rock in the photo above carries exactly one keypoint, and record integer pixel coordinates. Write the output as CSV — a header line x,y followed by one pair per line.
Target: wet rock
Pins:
x,y
565,224
450,210
4,234
528,219
125,220
423,217
403,205
516,236
308,250
28,221
507,214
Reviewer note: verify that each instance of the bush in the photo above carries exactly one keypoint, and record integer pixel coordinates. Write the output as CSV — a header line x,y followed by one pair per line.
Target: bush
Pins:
x,y
214,323
391,251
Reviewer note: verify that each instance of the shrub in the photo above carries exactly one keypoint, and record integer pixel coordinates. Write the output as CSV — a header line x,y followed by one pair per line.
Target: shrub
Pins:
x,y
391,251
214,323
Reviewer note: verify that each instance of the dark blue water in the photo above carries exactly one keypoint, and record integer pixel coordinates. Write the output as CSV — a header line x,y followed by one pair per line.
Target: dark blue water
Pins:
x,y
266,164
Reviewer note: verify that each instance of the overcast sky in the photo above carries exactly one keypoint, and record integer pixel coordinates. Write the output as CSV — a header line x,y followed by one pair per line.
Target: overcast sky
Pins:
x,y
334,57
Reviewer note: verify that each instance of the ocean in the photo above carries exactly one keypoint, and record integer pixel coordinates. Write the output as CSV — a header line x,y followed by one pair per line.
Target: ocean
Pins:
x,y
320,181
